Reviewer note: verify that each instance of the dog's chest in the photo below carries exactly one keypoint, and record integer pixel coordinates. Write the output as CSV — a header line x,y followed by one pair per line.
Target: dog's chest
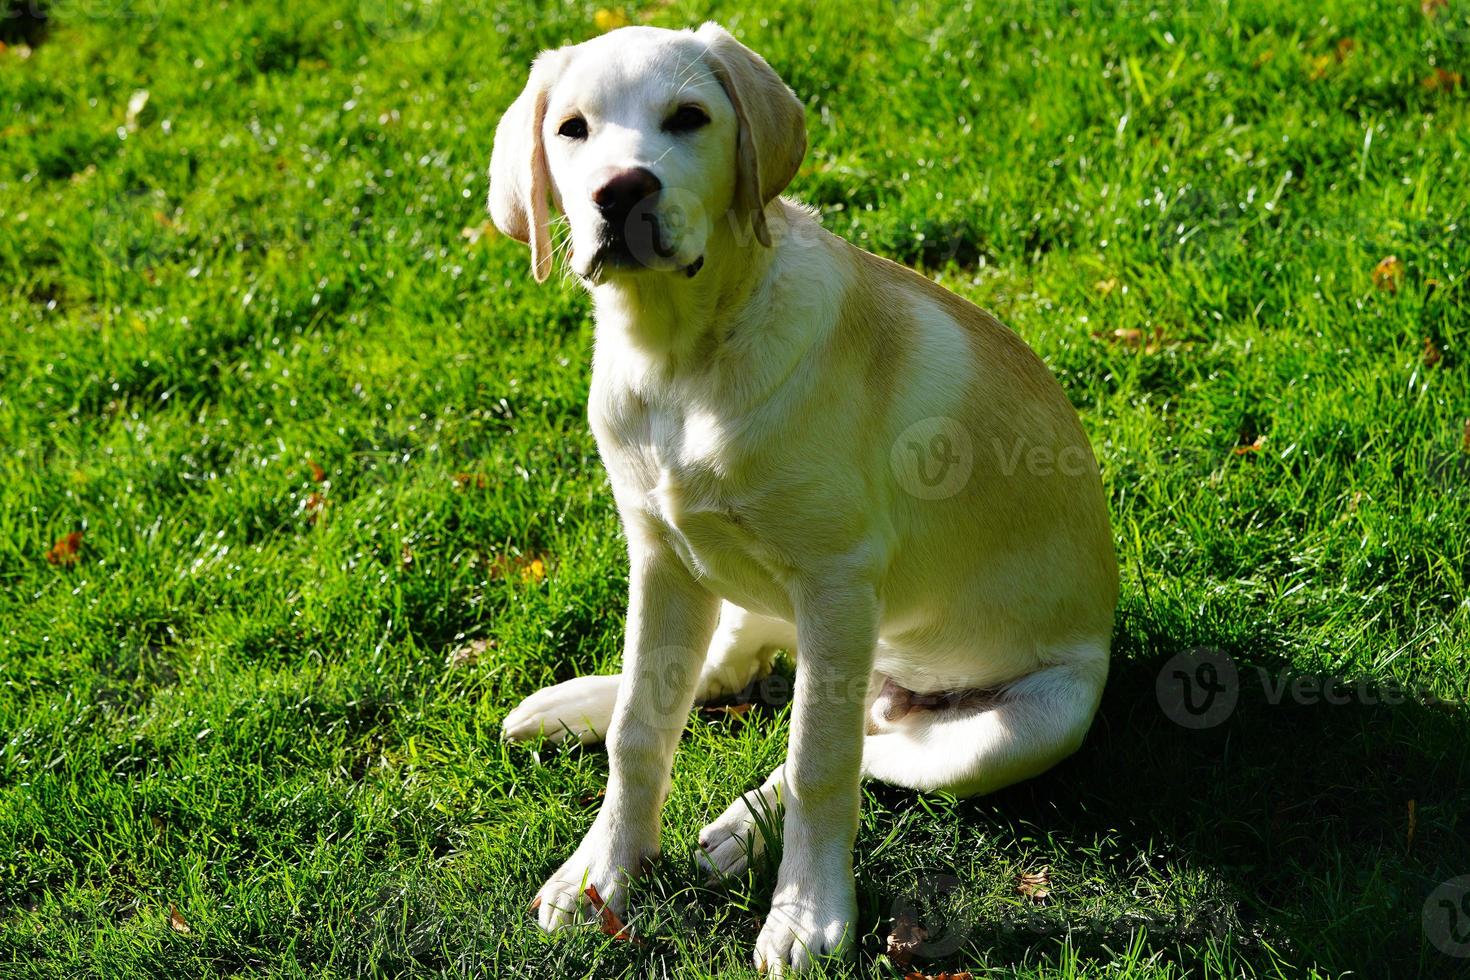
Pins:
x,y
687,469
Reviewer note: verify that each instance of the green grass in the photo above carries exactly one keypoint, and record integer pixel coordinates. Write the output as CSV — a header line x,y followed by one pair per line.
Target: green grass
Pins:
x,y
239,701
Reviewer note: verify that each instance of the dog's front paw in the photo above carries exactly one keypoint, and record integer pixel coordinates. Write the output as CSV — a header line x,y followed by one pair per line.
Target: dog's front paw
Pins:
x,y
598,866
579,709
806,924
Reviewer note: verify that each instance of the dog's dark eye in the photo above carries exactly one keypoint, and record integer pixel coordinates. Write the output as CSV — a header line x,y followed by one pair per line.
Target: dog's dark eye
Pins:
x,y
686,119
574,128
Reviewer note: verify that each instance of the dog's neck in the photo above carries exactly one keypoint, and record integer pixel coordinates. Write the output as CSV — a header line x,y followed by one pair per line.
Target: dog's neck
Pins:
x,y
673,316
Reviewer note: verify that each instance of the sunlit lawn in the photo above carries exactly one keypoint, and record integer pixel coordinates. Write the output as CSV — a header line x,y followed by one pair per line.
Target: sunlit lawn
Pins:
x,y
316,426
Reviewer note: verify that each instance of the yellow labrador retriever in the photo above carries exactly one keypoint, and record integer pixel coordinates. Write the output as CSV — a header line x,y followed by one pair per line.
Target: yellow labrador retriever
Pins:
x,y
811,448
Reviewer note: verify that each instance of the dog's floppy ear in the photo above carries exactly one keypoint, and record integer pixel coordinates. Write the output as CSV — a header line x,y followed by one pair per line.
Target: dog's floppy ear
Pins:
x,y
520,182
772,121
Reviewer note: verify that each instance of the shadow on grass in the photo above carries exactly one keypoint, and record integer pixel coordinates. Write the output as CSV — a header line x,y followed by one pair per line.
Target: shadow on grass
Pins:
x,y
1331,824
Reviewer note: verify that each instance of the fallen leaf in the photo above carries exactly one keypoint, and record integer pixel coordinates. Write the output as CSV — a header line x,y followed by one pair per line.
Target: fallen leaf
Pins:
x,y
904,939
1318,65
528,569
176,921
313,506
1432,354
1465,443
463,481
484,231
1150,342
610,923
1440,80
66,550
468,654
1431,8
729,710
1035,885
1254,446
1105,286
1413,825
1387,273
609,20
317,473
1345,47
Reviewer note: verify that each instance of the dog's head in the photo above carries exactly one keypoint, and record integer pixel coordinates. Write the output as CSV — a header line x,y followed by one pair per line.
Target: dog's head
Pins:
x,y
644,138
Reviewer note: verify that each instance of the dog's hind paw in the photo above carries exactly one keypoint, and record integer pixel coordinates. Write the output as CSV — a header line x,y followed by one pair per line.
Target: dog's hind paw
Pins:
x,y
727,845
579,709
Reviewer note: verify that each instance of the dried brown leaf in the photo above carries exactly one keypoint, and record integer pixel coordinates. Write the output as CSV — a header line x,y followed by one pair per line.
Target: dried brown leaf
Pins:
x,y
313,506
904,939
176,920
1387,273
1441,80
468,654
66,550
527,568
608,920
729,710
1035,885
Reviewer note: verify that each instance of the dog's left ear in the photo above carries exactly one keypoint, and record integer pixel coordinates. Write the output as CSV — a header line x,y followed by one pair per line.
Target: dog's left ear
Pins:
x,y
520,181
772,121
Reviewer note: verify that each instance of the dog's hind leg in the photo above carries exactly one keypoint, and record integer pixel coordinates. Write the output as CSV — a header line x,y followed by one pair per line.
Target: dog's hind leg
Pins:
x,y
1018,731
581,708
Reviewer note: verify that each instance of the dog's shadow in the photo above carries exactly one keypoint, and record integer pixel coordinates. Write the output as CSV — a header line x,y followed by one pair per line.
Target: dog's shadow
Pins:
x,y
1303,820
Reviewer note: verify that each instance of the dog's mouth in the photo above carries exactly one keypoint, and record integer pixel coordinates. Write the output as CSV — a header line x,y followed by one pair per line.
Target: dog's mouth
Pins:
x,y
640,243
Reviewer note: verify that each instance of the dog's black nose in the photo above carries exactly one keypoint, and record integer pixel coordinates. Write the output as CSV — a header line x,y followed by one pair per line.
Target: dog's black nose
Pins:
x,y
622,190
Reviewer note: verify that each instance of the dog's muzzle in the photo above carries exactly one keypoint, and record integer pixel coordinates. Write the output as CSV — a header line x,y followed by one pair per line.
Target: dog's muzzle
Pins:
x,y
633,235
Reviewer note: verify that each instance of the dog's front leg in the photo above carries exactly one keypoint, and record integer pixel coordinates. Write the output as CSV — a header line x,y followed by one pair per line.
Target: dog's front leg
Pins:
x,y
815,903
670,621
